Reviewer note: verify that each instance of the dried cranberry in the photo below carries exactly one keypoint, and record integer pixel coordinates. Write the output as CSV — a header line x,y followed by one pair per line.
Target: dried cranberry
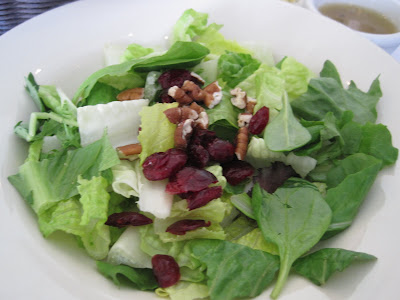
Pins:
x,y
163,165
237,171
165,98
176,77
190,179
166,270
203,137
272,177
198,155
201,198
221,151
183,226
259,120
126,218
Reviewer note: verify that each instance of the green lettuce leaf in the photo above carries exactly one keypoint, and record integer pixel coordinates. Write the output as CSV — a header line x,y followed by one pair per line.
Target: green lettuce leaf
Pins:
x,y
255,240
134,51
157,132
322,264
233,270
214,212
44,183
142,279
94,199
235,67
184,291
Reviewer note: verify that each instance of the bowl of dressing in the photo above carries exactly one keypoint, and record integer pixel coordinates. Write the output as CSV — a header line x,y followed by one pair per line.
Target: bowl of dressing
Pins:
x,y
377,20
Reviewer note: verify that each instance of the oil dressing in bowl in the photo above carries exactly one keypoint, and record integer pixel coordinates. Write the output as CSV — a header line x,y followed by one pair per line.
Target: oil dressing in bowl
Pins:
x,y
359,18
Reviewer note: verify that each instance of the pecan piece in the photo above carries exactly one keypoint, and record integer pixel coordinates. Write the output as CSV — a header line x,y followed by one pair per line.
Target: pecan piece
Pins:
x,y
240,99
131,94
213,94
130,149
193,90
177,115
179,95
244,119
182,133
242,140
202,121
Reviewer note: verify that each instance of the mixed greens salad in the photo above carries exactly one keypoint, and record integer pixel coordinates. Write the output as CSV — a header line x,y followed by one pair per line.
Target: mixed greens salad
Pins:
x,y
311,167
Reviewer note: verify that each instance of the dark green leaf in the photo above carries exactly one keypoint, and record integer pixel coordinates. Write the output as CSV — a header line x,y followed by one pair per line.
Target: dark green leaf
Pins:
x,y
325,95
320,265
234,271
33,89
142,279
294,218
348,184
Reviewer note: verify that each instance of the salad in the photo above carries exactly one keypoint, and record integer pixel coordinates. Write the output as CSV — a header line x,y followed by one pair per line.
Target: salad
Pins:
x,y
205,170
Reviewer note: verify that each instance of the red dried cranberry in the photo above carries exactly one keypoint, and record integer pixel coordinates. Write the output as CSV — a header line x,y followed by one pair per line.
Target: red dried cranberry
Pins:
x,y
163,165
126,218
221,151
166,270
176,77
271,178
201,198
165,98
190,179
237,171
203,137
259,120
198,155
183,226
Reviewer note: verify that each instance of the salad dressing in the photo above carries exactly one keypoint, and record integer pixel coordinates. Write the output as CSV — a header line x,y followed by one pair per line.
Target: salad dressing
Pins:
x,y
359,18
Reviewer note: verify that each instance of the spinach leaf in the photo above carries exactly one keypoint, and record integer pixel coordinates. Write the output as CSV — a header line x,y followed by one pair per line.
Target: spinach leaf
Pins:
x,y
326,94
142,279
285,133
357,170
320,265
180,55
234,271
294,218
376,140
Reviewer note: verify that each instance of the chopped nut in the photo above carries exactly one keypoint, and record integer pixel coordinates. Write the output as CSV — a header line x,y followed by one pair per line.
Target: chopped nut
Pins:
x,y
182,133
242,140
131,94
179,95
193,90
251,103
240,98
177,115
198,77
196,107
244,119
213,94
202,121
130,149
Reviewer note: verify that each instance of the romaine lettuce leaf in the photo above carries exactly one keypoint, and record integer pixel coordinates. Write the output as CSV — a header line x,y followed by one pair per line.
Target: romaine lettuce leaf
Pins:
x,y
44,183
157,132
184,291
214,212
142,279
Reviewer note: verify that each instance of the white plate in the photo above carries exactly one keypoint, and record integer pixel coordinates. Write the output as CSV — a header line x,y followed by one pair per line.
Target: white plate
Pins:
x,y
65,45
